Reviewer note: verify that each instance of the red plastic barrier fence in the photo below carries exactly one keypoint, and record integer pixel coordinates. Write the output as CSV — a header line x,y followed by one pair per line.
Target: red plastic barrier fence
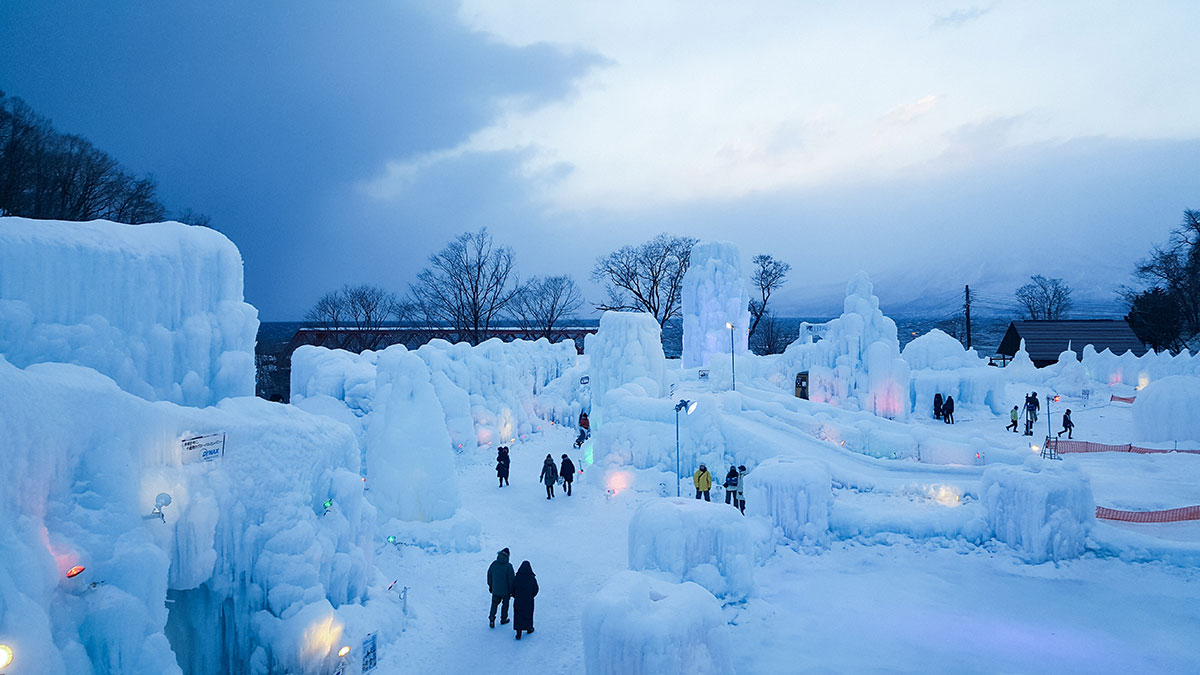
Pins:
x,y
1167,516
1063,447
1122,399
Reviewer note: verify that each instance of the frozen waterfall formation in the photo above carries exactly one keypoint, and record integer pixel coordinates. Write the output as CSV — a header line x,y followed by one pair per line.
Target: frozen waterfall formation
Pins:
x,y
157,307
716,318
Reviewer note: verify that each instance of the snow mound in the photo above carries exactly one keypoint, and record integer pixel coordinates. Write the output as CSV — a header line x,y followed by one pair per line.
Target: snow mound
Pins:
x,y
626,349
796,495
1042,509
1168,410
940,351
714,295
247,569
637,624
711,544
157,307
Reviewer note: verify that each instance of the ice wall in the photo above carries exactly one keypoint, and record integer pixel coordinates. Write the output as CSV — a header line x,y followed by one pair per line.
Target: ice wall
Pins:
x,y
1168,410
626,349
711,544
940,364
640,625
259,576
713,296
1043,509
157,307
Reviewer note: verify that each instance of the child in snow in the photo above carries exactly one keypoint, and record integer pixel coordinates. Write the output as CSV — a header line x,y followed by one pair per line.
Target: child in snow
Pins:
x,y
1068,425
502,462
702,479
525,587
740,490
567,473
730,485
549,476
500,583
1013,416
948,410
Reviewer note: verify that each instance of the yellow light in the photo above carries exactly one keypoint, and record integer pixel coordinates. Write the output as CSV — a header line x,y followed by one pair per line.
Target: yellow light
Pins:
x,y
1034,448
6,656
343,651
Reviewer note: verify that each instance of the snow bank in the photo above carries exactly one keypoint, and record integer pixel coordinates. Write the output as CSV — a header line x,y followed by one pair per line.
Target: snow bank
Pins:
x,y
795,494
938,350
856,365
711,544
637,624
714,295
1042,509
1168,410
158,307
257,572
626,349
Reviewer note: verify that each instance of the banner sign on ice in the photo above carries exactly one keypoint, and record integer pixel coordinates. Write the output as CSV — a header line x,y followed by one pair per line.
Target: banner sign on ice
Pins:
x,y
368,662
203,448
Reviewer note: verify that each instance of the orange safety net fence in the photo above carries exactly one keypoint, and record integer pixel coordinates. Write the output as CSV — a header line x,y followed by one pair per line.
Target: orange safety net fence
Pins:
x,y
1063,447
1166,516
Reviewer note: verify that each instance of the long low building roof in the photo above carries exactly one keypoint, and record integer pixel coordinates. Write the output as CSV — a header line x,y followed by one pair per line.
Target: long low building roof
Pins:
x,y
1045,340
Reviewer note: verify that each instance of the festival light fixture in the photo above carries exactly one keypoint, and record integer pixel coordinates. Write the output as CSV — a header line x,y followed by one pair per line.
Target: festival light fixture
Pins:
x,y
6,655
75,571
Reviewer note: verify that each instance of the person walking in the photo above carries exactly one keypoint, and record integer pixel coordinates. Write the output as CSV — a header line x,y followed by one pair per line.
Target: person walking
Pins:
x,y
740,490
948,410
525,588
1030,414
567,472
730,485
502,464
1068,425
702,479
549,476
500,582
937,406
1013,416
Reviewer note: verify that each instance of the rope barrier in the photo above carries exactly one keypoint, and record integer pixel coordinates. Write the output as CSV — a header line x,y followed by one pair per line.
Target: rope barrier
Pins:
x,y
1165,516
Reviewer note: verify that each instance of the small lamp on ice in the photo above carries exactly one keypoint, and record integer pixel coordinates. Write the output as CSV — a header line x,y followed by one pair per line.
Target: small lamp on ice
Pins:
x,y
161,501
6,655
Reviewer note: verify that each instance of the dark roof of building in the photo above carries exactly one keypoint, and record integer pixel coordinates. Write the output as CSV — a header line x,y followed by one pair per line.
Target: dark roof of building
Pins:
x,y
1045,340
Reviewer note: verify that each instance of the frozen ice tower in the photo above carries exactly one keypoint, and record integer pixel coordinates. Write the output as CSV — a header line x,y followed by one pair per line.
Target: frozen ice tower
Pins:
x,y
714,296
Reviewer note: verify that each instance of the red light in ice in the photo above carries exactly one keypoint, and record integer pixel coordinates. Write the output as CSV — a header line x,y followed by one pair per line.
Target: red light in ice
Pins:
x,y
75,571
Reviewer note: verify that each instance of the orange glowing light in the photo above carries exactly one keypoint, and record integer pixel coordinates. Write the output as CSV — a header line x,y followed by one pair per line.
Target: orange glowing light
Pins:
x,y
75,571
1057,399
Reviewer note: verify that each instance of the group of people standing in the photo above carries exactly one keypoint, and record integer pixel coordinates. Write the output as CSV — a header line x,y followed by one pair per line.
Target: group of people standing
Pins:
x,y
735,485
550,475
1032,407
943,409
521,587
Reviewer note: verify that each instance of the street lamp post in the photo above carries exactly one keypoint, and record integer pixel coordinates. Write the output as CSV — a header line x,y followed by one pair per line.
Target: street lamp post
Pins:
x,y
732,362
690,407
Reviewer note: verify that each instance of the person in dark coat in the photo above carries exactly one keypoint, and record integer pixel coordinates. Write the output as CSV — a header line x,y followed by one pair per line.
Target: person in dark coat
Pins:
x,y
567,473
1068,425
730,485
524,589
502,463
585,429
549,476
948,410
937,406
500,580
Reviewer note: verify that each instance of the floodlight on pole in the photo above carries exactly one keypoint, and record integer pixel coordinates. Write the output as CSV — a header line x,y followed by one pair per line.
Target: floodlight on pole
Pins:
x,y
732,362
690,407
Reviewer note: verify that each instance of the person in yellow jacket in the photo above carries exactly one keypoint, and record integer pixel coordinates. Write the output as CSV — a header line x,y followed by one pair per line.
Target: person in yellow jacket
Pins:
x,y
702,479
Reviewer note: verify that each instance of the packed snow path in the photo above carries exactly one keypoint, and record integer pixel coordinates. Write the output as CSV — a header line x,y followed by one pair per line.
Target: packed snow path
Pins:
x,y
877,602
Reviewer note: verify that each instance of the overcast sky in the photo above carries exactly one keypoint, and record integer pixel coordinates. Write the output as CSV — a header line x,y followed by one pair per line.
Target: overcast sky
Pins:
x,y
932,144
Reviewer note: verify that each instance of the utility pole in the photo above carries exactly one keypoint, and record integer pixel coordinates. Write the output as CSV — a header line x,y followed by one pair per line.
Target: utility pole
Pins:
x,y
967,306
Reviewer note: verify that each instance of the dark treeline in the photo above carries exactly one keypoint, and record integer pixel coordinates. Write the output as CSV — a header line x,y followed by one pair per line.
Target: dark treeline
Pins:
x,y
47,174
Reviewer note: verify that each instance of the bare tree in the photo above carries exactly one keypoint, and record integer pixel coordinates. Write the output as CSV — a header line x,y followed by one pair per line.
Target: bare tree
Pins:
x,y
468,285
543,303
190,217
768,275
647,277
771,338
1175,269
357,315
1045,299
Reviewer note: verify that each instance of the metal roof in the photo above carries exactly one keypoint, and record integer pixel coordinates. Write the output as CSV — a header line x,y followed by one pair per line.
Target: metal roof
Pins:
x,y
1045,340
